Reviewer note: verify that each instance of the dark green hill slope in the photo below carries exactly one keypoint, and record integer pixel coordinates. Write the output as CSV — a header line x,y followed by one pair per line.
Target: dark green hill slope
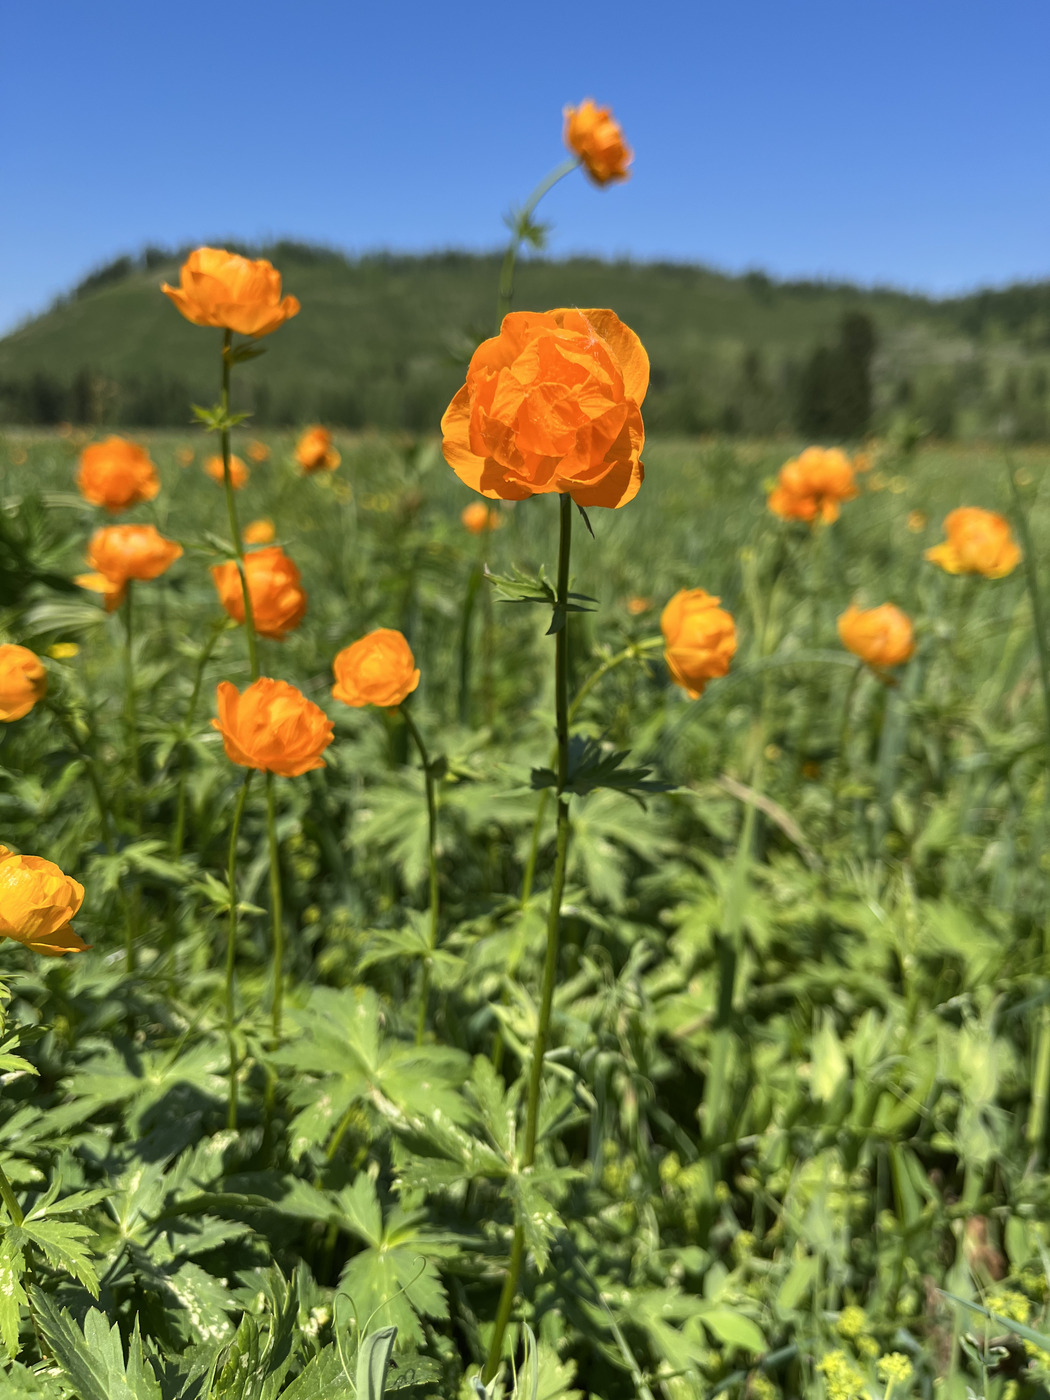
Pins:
x,y
381,340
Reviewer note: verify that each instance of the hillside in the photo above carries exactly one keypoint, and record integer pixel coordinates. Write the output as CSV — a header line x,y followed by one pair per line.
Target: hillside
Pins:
x,y
381,340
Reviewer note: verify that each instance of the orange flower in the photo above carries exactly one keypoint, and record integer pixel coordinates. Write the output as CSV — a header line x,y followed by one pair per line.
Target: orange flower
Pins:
x,y
272,727
377,670
637,606
257,451
552,404
700,638
814,483
479,519
863,462
881,636
217,288
596,138
116,474
239,473
23,681
917,521
184,456
315,453
259,532
278,602
37,905
120,553
979,542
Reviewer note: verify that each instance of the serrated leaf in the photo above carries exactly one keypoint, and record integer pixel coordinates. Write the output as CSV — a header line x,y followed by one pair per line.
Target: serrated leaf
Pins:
x,y
94,1360
62,1244
12,1293
591,766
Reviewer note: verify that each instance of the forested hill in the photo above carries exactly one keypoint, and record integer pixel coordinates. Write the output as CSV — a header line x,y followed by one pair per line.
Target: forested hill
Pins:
x,y
381,341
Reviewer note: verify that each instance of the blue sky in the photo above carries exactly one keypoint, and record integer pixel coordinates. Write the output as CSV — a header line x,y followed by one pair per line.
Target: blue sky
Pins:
x,y
893,141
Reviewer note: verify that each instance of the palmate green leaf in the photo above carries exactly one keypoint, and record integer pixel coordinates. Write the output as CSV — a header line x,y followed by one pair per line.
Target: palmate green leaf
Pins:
x,y
394,1286
62,1243
593,765
12,1292
534,1195
20,1383
94,1360
10,1063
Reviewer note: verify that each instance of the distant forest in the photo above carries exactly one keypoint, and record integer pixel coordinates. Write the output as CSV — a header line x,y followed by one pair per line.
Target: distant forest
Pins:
x,y
382,341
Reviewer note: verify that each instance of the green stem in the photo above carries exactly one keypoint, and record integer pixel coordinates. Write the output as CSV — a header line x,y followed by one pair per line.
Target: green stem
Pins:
x,y
231,945
473,584
275,909
231,511
519,228
14,1210
88,759
191,714
432,936
130,708
550,962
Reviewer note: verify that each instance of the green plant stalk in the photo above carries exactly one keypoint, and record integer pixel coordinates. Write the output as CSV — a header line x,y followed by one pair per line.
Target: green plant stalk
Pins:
x,y
1037,1129
510,257
550,962
469,600
231,945
231,510
275,909
10,1200
104,814
131,922
435,907
191,714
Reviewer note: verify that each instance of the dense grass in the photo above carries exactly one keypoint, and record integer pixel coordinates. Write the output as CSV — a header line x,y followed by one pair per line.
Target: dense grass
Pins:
x,y
795,1090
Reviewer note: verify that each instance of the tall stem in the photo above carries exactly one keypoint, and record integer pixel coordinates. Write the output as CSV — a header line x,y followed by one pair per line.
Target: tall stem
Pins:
x,y
550,962
231,945
275,909
130,709
231,510
521,224
432,936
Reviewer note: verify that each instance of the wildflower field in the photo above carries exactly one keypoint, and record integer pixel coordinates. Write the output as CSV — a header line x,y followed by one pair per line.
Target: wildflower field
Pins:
x,y
482,918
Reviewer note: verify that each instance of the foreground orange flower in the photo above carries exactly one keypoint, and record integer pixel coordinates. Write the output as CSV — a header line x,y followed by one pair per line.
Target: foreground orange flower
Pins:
x,y
116,474
217,288
377,670
37,905
23,681
278,600
700,639
239,473
314,451
816,482
479,519
979,542
593,135
120,553
882,637
552,404
259,532
272,727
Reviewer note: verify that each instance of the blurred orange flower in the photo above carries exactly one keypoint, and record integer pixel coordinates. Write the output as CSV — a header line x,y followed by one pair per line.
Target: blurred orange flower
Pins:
x,y
23,681
979,542
863,462
700,639
376,670
120,553
552,404
593,135
814,483
881,637
917,521
37,905
259,532
184,456
217,288
116,474
478,519
314,451
272,727
637,606
257,451
239,473
278,600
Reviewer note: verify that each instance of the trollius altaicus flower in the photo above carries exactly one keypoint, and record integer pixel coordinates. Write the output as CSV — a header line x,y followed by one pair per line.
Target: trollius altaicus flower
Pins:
x,y
217,288
272,727
119,554
314,451
816,482
700,639
593,135
278,600
239,472
979,542
116,474
376,670
23,681
37,905
882,637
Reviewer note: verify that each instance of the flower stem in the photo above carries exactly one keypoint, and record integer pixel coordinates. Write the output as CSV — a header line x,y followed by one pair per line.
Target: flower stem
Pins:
x,y
519,229
231,944
275,909
130,711
432,936
550,962
231,510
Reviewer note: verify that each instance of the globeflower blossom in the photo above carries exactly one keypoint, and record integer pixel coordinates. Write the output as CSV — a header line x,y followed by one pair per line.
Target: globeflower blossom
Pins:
x,y
979,542
700,639
217,288
37,905
592,134
376,670
272,727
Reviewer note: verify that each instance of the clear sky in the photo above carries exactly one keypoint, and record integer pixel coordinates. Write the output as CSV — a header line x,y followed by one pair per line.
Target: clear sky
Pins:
x,y
894,141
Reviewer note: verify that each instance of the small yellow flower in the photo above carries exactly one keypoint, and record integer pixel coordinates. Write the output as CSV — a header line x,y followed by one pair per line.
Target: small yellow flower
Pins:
x,y
62,651
852,1322
842,1380
895,1368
